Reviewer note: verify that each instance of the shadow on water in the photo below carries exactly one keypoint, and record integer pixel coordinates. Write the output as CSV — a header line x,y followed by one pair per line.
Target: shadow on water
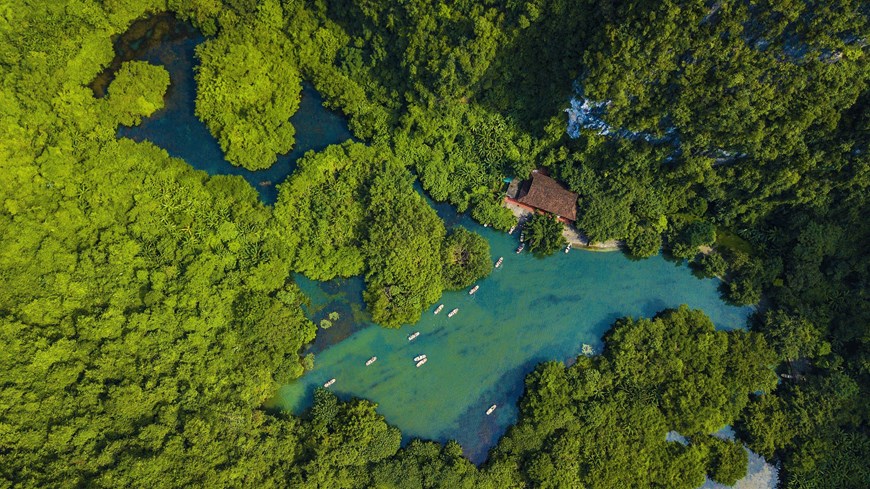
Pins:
x,y
167,41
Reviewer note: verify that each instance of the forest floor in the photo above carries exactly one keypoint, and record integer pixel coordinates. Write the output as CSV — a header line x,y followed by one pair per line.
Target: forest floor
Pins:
x,y
572,235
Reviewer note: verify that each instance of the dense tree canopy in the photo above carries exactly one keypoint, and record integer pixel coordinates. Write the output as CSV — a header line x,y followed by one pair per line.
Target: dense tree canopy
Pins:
x,y
147,311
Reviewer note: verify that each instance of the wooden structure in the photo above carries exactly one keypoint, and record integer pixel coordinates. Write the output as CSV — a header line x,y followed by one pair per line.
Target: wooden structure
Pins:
x,y
542,193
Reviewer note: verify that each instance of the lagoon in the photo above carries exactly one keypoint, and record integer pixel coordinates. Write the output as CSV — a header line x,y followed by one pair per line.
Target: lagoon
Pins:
x,y
176,128
530,310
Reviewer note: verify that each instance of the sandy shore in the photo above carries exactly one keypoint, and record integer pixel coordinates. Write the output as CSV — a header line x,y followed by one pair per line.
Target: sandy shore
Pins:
x,y
571,234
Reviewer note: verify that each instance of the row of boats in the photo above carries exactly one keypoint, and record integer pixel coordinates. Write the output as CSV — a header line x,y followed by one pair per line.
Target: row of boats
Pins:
x,y
421,360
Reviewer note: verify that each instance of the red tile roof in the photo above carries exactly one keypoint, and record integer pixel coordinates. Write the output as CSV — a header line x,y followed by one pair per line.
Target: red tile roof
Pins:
x,y
548,195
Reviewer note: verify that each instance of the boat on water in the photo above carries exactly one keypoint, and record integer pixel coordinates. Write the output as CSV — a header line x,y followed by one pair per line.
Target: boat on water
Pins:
x,y
491,409
453,312
329,382
568,248
421,362
473,290
521,248
513,228
413,336
522,237
498,263
419,357
371,361
438,309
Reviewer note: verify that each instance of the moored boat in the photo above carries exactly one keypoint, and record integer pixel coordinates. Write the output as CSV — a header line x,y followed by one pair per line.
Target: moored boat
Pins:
x,y
438,309
521,248
491,409
419,357
413,336
513,228
453,312
568,248
473,290
371,361
498,263
329,382
421,362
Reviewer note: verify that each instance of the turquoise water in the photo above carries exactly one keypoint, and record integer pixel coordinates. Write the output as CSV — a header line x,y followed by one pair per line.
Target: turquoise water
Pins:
x,y
177,130
528,311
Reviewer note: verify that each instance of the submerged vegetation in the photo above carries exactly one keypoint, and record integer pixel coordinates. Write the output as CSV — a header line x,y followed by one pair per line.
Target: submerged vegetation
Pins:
x,y
148,311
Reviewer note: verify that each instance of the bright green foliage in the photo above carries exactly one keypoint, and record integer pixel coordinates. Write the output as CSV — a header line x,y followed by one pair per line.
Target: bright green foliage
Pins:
x,y
137,91
246,93
403,250
146,311
544,234
349,210
466,258
603,422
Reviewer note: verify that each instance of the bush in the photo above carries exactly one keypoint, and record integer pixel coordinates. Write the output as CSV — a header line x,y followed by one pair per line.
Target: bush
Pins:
x,y
728,461
544,234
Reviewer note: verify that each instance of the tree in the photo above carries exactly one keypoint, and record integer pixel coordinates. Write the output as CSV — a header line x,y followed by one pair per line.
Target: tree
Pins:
x,y
466,258
544,234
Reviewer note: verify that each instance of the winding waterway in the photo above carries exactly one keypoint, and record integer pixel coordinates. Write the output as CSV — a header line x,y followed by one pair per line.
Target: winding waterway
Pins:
x,y
528,311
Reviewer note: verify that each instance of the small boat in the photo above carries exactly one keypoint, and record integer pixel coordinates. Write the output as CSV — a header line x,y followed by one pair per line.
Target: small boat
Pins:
x,y
498,263
473,290
522,237
419,357
453,312
329,382
491,409
568,248
266,183
414,336
438,309
371,361
421,362
521,248
513,228
486,225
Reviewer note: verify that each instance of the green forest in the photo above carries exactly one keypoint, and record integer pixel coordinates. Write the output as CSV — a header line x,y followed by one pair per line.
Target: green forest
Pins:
x,y
148,311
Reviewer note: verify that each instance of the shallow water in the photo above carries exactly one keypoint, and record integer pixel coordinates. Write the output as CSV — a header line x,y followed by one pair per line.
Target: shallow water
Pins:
x,y
177,130
528,311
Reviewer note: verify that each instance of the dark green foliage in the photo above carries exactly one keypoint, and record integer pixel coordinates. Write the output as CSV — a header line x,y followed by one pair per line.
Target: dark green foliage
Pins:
x,y
711,264
544,234
728,461
603,422
466,259
146,311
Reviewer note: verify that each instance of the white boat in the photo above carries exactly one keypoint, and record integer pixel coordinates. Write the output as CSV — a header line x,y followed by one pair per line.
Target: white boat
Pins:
x,y
419,357
491,409
453,312
522,237
371,361
438,309
513,228
414,336
329,382
498,263
568,248
521,248
421,362
473,290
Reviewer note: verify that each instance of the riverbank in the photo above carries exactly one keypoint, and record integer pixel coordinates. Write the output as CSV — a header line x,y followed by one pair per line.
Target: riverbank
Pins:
x,y
572,235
